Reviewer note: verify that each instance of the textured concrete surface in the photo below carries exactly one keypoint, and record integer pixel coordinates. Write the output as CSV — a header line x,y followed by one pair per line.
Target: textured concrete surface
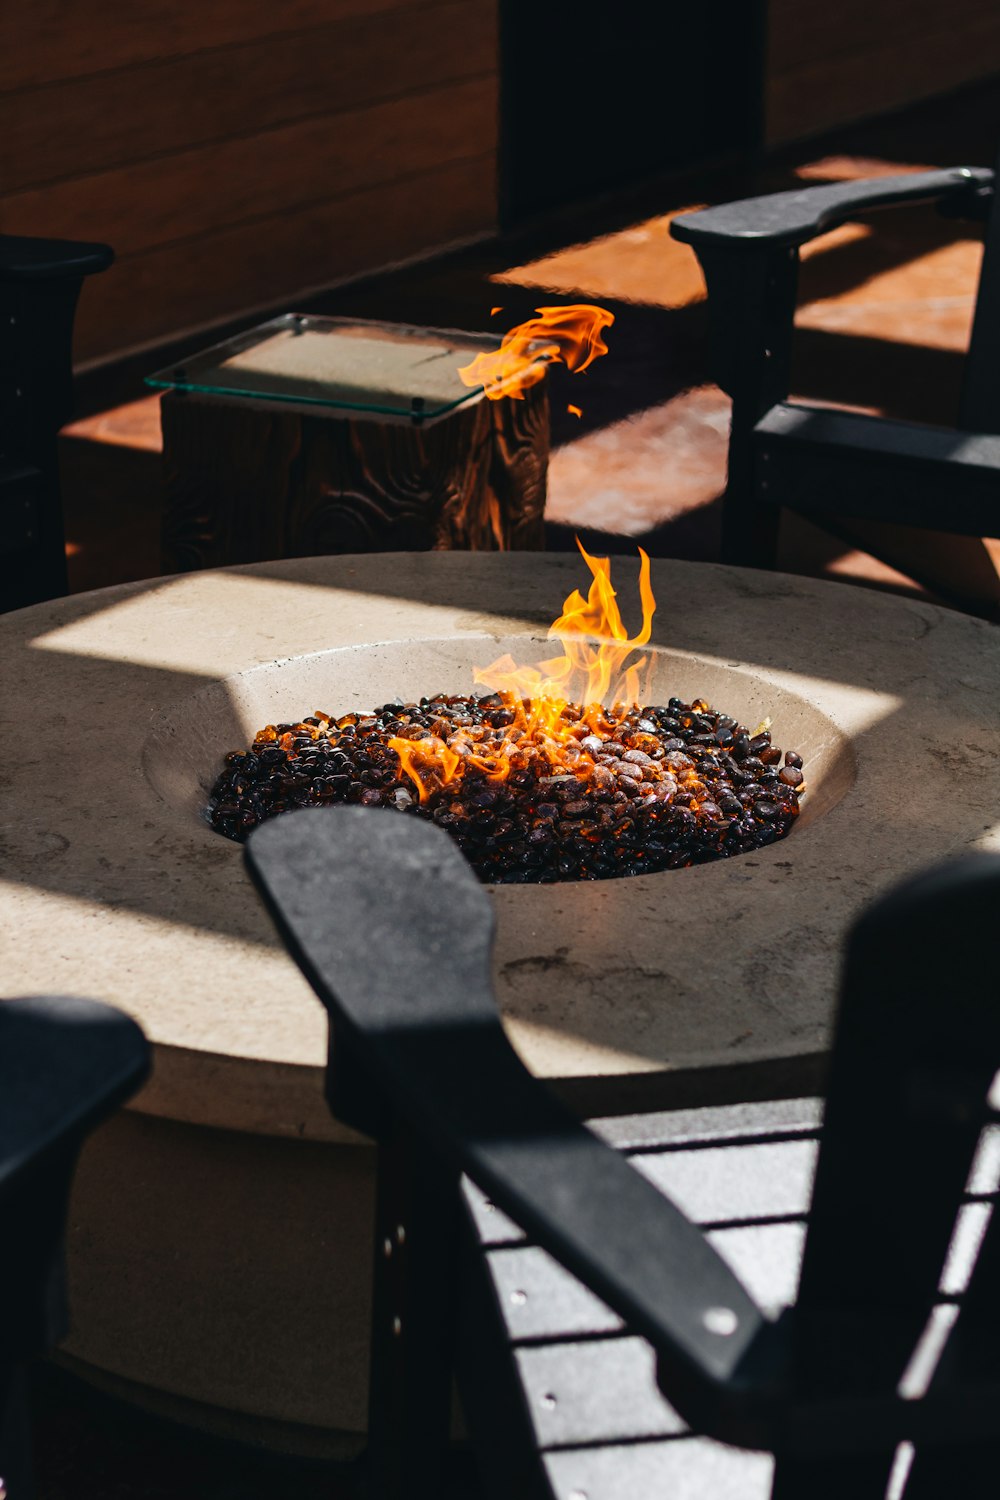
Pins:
x,y
222,1280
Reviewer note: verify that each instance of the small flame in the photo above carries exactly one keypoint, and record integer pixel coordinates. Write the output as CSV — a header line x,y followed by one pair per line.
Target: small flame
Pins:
x,y
574,411
428,762
567,335
596,647
494,311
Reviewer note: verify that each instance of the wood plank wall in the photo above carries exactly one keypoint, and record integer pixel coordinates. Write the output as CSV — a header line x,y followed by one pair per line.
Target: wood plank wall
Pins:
x,y
235,152
829,64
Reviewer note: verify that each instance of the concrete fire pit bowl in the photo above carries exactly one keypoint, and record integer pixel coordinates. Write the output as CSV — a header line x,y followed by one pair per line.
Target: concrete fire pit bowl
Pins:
x,y
220,1227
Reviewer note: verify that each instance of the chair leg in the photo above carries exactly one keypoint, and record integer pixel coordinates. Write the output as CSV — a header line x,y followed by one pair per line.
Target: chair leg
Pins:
x,y
749,523
749,530
511,1466
960,1473
16,1467
413,1318
832,1479
751,307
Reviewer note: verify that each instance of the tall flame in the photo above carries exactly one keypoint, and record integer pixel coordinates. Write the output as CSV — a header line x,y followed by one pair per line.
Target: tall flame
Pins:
x,y
592,668
567,335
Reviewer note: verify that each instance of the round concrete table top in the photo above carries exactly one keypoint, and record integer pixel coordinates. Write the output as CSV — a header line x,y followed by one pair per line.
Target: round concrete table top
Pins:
x,y
119,704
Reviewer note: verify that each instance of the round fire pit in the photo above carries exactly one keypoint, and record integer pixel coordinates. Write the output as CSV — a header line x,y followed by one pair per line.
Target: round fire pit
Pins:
x,y
220,1227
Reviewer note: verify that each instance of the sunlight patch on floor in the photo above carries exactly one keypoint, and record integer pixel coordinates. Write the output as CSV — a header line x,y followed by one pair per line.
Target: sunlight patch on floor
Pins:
x,y
639,264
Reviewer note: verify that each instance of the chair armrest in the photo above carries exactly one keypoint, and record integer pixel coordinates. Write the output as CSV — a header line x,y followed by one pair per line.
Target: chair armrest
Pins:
x,y
23,259
395,934
749,255
793,218
65,1065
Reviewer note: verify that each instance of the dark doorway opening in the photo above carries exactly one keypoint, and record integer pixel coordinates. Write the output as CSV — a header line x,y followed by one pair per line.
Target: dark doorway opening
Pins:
x,y
600,95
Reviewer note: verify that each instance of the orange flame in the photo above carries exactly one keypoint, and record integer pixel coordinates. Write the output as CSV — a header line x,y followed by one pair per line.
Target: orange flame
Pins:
x,y
428,762
567,335
574,411
591,670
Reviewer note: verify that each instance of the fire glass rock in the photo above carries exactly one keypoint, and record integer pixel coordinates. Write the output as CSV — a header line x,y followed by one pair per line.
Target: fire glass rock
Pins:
x,y
628,791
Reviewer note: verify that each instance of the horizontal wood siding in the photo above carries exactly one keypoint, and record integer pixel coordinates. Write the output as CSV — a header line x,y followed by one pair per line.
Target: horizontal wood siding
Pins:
x,y
231,175
847,60
189,194
247,266
50,40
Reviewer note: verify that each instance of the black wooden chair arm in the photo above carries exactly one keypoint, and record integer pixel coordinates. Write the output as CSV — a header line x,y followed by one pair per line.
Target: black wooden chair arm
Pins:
x,y
25,259
793,218
65,1065
394,932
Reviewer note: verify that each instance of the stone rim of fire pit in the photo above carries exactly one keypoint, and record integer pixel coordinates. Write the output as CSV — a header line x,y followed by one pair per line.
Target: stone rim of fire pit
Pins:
x,y
611,987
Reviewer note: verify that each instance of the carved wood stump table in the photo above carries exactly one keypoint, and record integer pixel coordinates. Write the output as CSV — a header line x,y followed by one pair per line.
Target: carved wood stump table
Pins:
x,y
310,436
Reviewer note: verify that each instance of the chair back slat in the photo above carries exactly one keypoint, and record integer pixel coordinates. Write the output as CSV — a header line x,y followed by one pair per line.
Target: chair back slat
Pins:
x,y
980,406
917,1048
969,1355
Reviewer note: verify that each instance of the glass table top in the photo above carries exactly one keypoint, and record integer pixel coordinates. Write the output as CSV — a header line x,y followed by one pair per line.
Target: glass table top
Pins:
x,y
346,363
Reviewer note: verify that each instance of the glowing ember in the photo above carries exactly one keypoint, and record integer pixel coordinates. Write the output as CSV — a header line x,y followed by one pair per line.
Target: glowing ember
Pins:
x,y
658,789
566,335
536,784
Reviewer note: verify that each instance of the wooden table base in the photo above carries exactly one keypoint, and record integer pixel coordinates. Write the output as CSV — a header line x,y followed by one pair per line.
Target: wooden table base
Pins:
x,y
249,483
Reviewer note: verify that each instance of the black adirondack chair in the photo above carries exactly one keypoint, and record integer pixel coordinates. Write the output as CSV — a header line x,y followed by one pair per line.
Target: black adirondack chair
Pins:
x,y
40,283
823,462
571,1296
65,1065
